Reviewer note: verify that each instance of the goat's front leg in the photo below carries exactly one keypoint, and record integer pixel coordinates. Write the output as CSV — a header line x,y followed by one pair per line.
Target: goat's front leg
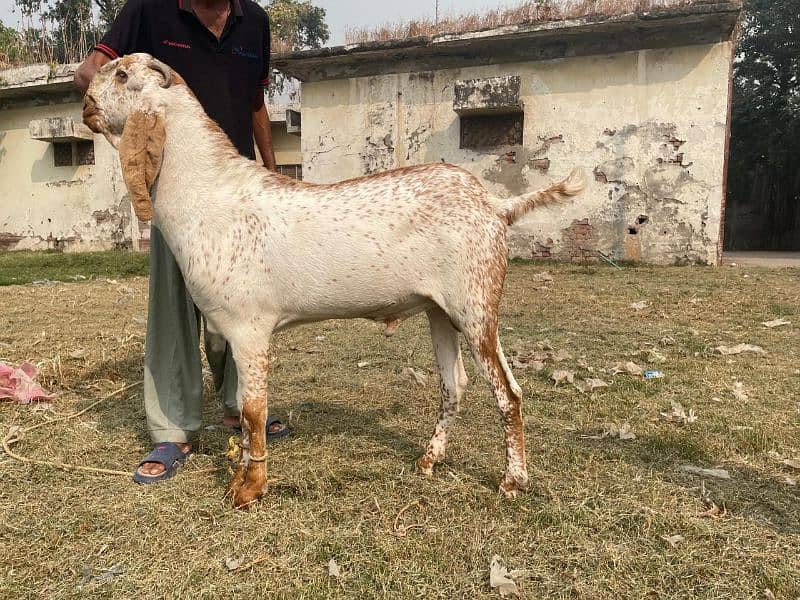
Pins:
x,y
250,480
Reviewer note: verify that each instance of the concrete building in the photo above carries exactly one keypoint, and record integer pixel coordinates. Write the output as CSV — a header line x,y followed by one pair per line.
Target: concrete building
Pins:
x,y
60,185
640,101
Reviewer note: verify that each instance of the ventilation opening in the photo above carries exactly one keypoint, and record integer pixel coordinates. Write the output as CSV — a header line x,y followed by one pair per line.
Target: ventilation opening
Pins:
x,y
73,154
481,132
293,171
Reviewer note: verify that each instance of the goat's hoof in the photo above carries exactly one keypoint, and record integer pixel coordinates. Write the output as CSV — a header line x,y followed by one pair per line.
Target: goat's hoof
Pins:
x,y
425,465
244,498
512,487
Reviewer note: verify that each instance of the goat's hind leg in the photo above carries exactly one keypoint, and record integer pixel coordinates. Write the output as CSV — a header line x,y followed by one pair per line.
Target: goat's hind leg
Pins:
x,y
453,382
493,366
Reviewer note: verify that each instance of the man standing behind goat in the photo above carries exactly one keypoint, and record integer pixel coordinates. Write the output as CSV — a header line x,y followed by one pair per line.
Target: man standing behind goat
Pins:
x,y
222,49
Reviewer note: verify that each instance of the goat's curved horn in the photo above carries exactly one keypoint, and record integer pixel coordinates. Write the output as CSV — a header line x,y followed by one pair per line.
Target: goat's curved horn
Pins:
x,y
159,66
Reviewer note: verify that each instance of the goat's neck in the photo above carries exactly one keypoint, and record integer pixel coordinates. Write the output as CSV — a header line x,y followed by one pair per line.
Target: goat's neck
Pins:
x,y
203,179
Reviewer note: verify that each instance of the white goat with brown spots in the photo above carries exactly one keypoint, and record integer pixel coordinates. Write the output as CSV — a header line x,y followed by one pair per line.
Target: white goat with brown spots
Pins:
x,y
261,252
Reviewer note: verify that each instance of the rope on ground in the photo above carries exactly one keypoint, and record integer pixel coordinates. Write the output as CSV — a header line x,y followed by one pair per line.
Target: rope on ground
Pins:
x,y
17,434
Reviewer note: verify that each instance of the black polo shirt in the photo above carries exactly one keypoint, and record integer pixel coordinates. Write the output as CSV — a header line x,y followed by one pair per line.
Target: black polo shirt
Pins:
x,y
226,75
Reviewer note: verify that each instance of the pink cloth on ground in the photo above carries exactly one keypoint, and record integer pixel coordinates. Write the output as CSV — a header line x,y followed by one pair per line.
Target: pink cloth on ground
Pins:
x,y
18,383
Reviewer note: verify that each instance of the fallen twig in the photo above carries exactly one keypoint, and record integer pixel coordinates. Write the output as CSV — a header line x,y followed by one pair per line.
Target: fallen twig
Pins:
x,y
250,565
17,434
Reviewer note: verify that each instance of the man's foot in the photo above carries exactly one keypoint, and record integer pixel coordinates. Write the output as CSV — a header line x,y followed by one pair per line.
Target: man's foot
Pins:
x,y
162,463
275,428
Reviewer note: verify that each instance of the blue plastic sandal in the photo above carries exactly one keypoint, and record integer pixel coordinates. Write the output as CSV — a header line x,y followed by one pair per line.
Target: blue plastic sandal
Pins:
x,y
281,433
168,454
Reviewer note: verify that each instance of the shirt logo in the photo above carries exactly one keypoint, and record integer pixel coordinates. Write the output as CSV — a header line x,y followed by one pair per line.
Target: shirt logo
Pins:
x,y
240,51
176,44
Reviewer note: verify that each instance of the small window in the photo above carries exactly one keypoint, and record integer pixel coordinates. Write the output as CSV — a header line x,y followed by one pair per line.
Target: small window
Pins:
x,y
480,132
62,154
73,154
293,171
85,153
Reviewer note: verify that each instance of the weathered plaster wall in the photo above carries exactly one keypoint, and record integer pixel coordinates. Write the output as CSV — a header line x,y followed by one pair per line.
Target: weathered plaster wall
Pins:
x,y
73,208
647,126
43,206
286,145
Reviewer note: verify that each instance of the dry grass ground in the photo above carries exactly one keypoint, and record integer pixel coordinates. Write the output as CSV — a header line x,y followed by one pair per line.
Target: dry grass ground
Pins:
x,y
593,526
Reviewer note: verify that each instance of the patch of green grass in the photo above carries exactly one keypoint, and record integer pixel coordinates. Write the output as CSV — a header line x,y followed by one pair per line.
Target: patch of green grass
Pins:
x,y
20,268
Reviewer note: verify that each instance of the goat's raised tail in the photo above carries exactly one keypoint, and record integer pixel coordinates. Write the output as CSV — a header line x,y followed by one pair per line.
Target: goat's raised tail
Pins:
x,y
515,208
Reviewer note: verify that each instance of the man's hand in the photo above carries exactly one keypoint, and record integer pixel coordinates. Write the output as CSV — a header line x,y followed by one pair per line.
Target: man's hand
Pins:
x,y
262,131
90,66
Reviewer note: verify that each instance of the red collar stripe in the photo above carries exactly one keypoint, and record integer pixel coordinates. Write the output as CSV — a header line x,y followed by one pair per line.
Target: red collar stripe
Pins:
x,y
107,50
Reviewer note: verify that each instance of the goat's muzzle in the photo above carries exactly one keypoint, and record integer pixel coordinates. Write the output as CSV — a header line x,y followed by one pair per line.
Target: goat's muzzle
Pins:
x,y
91,114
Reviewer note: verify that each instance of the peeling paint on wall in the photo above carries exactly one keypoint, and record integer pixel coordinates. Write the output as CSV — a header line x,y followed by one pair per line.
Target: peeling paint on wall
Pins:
x,y
649,125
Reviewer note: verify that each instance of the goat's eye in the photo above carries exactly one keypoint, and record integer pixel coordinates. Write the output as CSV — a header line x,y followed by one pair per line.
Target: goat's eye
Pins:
x,y
121,76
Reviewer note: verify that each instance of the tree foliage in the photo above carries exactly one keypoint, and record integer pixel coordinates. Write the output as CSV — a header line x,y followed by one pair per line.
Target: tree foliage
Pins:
x,y
9,45
767,80
765,141
297,25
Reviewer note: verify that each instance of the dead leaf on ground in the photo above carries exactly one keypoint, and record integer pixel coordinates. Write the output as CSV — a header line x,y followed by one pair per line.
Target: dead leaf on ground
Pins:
x,y
776,323
740,349
561,356
590,385
673,540
542,279
519,362
653,356
694,470
622,432
630,368
714,512
739,393
109,574
562,376
415,376
503,580
679,415
333,569
363,364
233,563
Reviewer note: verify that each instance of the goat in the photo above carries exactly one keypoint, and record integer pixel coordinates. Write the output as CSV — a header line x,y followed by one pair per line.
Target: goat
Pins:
x,y
261,252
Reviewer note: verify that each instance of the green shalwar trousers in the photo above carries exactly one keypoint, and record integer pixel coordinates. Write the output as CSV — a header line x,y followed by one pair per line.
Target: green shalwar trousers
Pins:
x,y
173,372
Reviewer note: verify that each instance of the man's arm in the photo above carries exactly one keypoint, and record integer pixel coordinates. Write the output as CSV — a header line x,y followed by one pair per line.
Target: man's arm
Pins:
x,y
90,66
124,37
262,131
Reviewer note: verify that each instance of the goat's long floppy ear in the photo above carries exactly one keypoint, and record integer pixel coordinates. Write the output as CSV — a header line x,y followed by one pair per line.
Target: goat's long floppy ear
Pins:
x,y
141,150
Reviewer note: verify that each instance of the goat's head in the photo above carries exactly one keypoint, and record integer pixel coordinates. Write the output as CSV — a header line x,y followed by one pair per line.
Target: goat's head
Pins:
x,y
125,102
